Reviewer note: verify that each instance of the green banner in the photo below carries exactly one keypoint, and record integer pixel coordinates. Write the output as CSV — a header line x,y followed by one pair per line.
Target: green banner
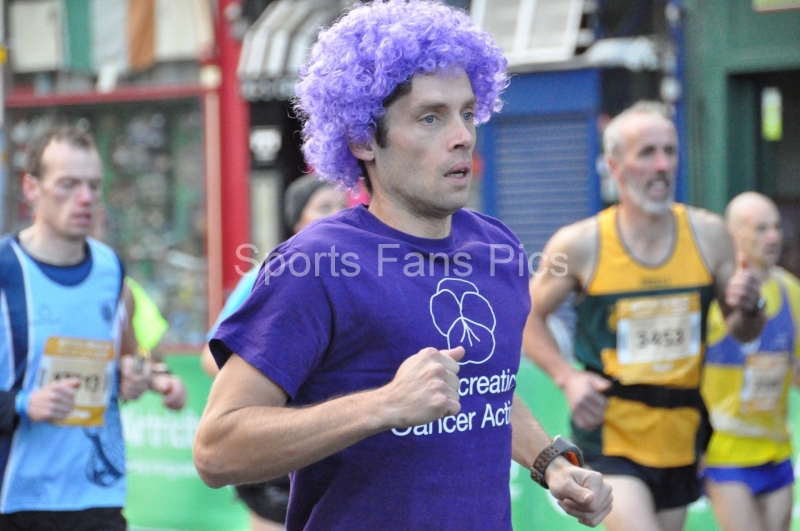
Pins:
x,y
533,509
164,490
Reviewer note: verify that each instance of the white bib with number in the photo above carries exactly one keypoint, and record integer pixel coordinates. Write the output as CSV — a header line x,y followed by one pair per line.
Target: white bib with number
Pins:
x,y
764,379
658,329
91,362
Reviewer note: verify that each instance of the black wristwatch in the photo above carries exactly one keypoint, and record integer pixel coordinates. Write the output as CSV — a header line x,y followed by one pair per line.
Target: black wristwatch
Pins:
x,y
559,446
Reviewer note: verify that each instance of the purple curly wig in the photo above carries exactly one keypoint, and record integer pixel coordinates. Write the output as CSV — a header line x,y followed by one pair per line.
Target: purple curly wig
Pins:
x,y
361,59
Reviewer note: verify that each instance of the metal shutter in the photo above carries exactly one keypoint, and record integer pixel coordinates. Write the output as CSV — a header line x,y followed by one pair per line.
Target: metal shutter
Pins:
x,y
542,184
542,167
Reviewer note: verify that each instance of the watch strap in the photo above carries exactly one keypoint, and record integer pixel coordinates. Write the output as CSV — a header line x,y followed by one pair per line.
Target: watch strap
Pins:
x,y
559,446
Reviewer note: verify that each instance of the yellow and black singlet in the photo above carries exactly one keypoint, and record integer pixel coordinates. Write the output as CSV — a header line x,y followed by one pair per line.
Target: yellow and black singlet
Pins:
x,y
643,327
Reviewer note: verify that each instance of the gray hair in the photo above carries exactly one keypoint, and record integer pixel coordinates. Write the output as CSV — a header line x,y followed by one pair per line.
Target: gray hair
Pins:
x,y
612,136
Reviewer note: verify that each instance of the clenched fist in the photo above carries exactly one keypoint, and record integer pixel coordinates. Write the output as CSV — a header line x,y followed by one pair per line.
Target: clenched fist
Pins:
x,y
425,388
54,401
171,388
584,392
744,289
134,380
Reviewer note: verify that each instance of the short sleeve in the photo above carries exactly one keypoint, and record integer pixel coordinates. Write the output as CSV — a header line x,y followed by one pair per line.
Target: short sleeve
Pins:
x,y
284,327
235,299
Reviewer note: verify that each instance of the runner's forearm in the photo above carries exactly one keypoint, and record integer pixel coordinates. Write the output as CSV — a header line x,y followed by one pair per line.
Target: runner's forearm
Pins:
x,y
528,437
257,443
541,348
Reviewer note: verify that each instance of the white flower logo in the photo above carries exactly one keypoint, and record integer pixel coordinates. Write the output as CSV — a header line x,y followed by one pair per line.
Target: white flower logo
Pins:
x,y
462,315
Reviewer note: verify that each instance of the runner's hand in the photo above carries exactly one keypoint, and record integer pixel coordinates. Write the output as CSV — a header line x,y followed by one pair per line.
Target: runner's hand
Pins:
x,y
171,388
584,392
744,288
581,493
54,401
425,388
133,380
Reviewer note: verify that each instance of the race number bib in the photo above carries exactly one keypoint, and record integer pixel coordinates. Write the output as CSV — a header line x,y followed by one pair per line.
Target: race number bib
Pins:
x,y
89,361
658,329
764,379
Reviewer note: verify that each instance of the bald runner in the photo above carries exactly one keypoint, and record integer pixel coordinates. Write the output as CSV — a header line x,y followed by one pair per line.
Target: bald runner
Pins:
x,y
749,472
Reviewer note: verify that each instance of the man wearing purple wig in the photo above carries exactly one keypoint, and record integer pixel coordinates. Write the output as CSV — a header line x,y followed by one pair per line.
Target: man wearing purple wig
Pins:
x,y
376,357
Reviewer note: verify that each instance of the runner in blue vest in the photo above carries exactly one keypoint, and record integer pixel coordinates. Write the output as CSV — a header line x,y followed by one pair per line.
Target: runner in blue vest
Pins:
x,y
63,326
389,392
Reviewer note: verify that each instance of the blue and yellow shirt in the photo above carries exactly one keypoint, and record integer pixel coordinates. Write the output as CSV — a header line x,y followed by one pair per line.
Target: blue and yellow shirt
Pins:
x,y
746,386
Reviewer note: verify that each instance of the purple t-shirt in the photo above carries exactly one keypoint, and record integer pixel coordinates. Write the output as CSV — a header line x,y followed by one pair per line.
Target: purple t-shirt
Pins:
x,y
341,306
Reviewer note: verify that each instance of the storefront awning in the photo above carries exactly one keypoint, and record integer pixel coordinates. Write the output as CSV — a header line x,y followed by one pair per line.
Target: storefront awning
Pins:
x,y
278,43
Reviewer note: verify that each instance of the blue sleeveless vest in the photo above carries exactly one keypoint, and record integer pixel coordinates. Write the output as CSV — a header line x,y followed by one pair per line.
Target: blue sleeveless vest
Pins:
x,y
71,331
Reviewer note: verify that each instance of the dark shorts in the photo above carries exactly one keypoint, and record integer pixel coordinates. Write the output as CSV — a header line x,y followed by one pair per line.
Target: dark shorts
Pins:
x,y
761,479
670,487
268,500
96,519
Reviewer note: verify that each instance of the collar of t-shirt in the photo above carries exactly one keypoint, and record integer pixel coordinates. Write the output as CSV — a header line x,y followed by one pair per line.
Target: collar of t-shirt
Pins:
x,y
427,244
71,275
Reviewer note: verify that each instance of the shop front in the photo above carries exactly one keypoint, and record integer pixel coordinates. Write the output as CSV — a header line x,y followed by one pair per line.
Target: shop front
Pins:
x,y
154,81
154,192
743,66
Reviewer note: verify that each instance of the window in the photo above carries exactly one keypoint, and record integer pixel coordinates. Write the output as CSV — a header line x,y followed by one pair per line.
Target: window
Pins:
x,y
532,31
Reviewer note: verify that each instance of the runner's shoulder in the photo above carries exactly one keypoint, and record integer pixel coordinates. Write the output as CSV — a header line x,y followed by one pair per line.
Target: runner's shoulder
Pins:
x,y
706,223
712,236
579,240
791,282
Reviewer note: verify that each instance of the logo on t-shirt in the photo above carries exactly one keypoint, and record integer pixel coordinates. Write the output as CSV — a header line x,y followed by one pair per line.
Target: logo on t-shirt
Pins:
x,y
462,315
107,311
45,314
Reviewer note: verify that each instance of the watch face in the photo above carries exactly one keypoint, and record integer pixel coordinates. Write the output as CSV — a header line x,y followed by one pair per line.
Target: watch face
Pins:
x,y
572,457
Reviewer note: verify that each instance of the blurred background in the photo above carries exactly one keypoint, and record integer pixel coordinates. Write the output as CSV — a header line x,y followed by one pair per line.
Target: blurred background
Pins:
x,y
189,102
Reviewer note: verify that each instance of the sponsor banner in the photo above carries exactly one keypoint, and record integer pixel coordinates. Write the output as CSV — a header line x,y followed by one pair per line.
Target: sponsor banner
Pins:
x,y
533,508
164,490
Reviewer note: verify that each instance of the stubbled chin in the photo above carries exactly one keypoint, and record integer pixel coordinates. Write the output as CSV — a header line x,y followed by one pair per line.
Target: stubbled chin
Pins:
x,y
656,208
454,202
